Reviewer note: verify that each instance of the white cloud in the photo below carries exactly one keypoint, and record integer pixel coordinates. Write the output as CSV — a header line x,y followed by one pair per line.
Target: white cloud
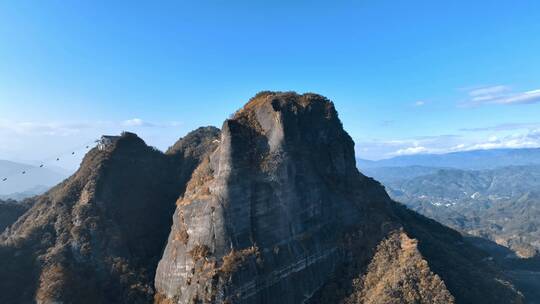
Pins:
x,y
446,144
37,128
411,150
136,122
19,139
419,103
378,149
500,94
486,91
525,97
504,127
46,128
493,138
529,139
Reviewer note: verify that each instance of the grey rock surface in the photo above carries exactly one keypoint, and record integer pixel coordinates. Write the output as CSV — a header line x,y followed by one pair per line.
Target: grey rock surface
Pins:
x,y
271,209
278,213
272,198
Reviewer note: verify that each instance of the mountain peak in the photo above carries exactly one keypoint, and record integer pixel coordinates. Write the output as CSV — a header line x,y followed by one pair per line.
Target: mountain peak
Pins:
x,y
97,237
126,140
279,101
200,138
278,211
271,209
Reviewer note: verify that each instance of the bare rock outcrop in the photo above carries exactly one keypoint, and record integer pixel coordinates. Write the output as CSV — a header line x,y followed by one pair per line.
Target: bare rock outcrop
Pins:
x,y
270,209
278,213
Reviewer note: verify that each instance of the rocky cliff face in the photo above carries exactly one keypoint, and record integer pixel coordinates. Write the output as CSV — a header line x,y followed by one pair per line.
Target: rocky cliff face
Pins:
x,y
261,213
278,213
271,209
97,237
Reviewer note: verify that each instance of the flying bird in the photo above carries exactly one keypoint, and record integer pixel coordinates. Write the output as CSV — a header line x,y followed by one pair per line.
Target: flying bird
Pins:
x,y
41,166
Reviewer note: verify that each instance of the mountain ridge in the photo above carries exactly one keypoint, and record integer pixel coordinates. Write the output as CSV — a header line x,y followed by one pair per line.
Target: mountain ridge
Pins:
x,y
276,212
271,209
472,159
499,204
75,244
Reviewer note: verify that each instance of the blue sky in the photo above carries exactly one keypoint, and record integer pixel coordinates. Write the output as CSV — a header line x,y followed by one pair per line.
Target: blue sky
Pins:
x,y
406,76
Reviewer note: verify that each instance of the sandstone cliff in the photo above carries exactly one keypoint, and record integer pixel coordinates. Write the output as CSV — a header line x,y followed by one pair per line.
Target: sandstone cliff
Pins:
x,y
278,213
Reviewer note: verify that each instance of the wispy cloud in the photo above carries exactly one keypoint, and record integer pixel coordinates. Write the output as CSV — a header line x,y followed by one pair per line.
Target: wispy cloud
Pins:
x,y
74,128
489,91
428,144
529,139
137,122
47,128
378,149
500,94
411,150
445,144
19,139
503,127
419,103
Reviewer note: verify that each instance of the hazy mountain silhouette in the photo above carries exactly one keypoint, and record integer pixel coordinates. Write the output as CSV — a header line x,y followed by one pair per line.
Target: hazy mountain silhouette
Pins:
x,y
34,181
476,159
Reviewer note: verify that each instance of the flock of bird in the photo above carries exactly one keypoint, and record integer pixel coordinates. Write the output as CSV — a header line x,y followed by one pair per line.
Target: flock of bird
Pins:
x,y
56,158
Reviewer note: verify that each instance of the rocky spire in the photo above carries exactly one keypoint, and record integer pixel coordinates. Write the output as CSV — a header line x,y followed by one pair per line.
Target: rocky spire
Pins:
x,y
278,213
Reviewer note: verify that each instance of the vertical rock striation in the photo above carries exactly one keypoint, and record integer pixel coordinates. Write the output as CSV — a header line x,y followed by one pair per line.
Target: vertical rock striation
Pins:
x,y
261,214
278,213
271,209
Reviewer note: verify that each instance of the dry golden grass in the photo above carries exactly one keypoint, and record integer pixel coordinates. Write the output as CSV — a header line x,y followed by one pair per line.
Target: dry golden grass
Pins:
x,y
199,252
399,274
236,258
181,236
162,299
198,187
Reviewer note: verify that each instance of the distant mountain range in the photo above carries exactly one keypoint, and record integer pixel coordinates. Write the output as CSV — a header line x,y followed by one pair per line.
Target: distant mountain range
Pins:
x,y
493,197
501,203
35,180
476,159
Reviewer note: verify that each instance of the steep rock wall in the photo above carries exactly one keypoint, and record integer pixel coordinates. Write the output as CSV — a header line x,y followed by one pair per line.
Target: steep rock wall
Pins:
x,y
278,213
